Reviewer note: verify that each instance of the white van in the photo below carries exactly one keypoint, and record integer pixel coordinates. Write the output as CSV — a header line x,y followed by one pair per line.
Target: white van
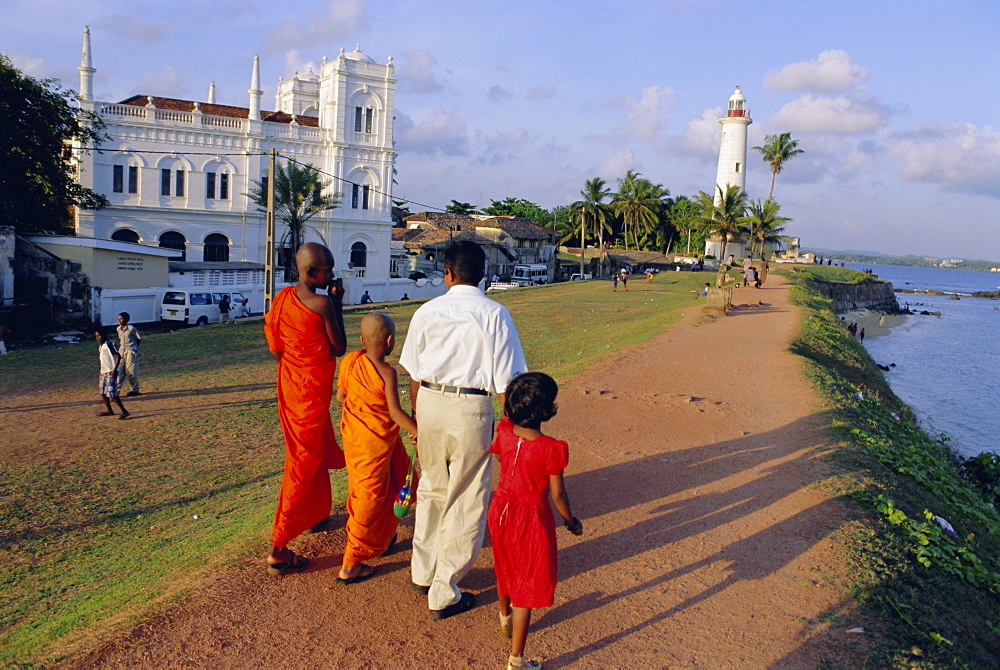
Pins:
x,y
530,275
195,306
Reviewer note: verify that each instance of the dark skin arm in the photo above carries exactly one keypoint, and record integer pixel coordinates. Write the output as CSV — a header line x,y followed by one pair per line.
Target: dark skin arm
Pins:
x,y
405,421
558,492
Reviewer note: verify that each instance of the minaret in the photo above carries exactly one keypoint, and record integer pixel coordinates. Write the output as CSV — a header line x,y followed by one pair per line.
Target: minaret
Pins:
x,y
86,69
733,152
211,93
255,93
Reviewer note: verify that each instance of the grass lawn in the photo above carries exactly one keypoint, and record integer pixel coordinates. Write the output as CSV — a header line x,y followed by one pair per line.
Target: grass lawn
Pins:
x,y
132,516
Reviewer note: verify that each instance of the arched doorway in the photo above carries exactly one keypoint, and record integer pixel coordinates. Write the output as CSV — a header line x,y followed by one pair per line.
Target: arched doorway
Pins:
x,y
216,248
174,240
359,257
125,235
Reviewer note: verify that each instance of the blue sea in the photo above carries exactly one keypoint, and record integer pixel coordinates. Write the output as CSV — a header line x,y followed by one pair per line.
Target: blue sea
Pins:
x,y
947,367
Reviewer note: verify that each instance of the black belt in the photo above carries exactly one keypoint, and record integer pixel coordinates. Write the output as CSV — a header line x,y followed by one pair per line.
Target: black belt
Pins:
x,y
452,389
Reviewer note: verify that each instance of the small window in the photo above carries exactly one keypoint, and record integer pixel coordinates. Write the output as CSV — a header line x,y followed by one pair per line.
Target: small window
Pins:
x,y
118,179
210,185
358,111
133,179
354,196
223,186
179,186
368,120
164,182
201,298
359,255
174,298
364,196
174,240
739,168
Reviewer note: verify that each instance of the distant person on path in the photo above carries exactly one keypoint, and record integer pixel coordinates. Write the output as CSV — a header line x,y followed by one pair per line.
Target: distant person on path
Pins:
x,y
751,277
305,334
366,299
861,336
762,273
4,334
377,461
747,262
649,275
224,306
522,527
128,346
614,281
107,380
461,348
624,279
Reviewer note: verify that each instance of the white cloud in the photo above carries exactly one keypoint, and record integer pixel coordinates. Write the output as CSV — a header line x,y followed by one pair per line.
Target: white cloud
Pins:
x,y
295,63
498,93
851,113
417,72
343,17
832,71
702,135
510,140
166,83
541,92
963,157
649,114
614,166
441,133
503,147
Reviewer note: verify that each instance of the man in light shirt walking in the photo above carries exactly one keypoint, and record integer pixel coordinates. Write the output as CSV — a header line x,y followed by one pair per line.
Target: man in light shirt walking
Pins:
x,y
461,349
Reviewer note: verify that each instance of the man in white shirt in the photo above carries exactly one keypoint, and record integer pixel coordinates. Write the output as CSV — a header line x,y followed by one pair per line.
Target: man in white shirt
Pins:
x,y
128,345
461,348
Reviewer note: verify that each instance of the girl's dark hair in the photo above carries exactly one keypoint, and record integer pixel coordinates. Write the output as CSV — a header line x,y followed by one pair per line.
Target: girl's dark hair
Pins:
x,y
531,399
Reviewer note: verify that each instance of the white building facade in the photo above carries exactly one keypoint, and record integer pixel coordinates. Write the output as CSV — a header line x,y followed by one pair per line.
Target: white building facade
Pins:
x,y
177,172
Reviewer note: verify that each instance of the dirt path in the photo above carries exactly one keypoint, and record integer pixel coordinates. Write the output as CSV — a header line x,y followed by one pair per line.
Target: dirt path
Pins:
x,y
705,544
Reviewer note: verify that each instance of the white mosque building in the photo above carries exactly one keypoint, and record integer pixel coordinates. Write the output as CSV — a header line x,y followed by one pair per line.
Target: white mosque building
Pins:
x,y
177,171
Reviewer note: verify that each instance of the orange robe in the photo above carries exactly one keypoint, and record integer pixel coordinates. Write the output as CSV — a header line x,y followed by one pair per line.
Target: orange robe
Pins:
x,y
376,459
305,389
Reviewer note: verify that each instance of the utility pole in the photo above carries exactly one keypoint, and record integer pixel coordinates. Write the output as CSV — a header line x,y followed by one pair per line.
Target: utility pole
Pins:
x,y
269,248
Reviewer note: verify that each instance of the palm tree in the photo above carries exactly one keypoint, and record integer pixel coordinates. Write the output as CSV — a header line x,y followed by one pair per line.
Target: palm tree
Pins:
x,y
776,150
298,197
766,225
725,219
638,203
592,212
457,207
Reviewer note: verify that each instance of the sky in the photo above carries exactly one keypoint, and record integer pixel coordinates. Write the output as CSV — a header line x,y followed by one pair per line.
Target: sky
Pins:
x,y
893,102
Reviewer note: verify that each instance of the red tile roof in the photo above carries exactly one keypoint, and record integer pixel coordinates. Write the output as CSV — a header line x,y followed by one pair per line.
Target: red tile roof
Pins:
x,y
177,105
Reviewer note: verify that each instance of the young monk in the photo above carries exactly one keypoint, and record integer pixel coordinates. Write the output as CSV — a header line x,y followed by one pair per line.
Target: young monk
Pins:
x,y
305,334
376,459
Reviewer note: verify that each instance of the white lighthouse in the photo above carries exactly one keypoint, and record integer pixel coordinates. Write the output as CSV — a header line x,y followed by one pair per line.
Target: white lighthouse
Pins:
x,y
733,151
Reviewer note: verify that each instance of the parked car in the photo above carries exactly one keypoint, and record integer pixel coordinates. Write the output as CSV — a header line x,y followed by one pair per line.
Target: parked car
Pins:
x,y
195,306
576,276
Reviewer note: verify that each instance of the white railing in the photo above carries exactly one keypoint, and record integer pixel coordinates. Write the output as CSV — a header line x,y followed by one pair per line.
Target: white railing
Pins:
x,y
222,122
124,110
171,115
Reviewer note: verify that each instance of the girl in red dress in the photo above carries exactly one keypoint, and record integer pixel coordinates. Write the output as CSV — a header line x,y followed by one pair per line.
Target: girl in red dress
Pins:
x,y
521,524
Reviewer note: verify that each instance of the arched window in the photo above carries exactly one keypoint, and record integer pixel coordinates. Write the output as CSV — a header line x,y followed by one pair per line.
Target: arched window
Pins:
x,y
216,248
359,255
125,235
174,240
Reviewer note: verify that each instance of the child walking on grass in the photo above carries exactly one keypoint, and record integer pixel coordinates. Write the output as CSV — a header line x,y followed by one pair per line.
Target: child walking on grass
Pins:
x,y
107,381
520,520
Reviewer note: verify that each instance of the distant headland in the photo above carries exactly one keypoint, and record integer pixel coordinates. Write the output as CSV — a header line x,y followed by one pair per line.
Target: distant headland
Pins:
x,y
915,261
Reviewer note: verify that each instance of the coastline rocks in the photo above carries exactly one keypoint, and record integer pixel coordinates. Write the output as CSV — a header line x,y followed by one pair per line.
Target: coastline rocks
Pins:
x,y
874,295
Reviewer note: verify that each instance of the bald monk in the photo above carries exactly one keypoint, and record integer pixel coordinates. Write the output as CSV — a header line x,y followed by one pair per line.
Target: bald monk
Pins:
x,y
305,334
376,459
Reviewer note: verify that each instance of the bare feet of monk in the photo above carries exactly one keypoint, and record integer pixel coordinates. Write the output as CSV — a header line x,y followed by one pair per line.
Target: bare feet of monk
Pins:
x,y
282,561
358,573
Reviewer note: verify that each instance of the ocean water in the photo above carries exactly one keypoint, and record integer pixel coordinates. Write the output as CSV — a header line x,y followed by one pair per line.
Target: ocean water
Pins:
x,y
947,367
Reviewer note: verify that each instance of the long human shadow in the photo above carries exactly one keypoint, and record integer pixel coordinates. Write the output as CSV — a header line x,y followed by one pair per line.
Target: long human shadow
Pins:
x,y
155,395
782,469
752,558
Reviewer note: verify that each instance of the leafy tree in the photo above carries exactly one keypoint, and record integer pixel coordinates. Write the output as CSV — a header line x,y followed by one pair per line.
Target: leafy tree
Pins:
x,y
684,216
457,207
725,219
638,203
765,225
40,127
521,208
777,150
298,197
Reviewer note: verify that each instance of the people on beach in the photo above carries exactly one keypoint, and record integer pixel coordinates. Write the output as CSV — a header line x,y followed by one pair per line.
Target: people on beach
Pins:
x,y
377,462
107,380
461,348
861,336
522,527
128,347
305,334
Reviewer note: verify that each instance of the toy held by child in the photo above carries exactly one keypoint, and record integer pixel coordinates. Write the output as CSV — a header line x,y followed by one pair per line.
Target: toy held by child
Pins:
x,y
522,527
377,463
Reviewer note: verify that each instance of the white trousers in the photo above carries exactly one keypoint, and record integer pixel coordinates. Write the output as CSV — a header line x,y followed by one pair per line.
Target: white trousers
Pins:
x,y
129,367
456,431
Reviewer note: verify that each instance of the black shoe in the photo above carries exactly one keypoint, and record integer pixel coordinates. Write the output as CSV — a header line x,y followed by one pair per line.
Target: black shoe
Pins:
x,y
417,588
132,393
464,604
